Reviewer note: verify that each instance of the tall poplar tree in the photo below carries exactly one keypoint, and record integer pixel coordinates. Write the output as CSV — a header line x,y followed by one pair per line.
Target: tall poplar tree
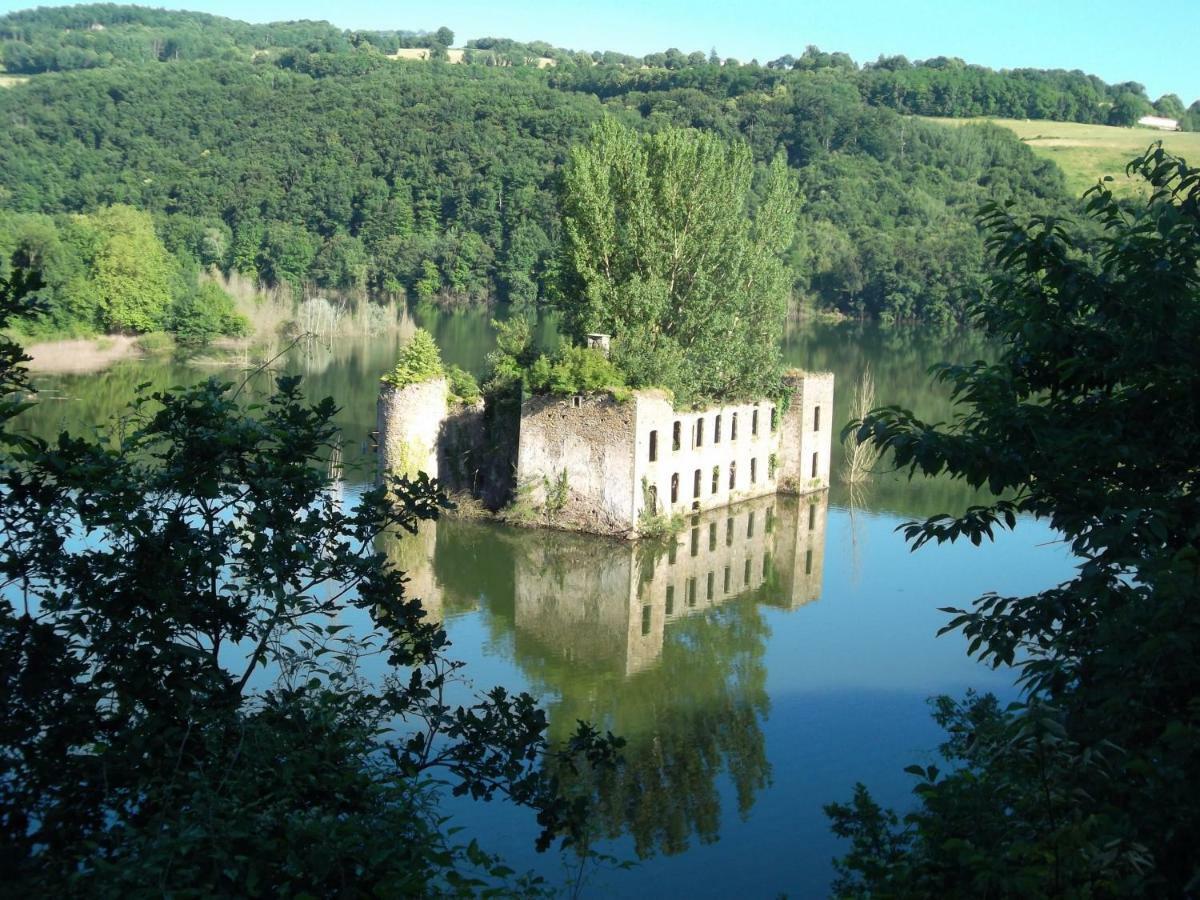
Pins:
x,y
673,243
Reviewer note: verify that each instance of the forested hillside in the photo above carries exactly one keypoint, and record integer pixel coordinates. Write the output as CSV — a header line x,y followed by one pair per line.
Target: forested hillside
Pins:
x,y
325,163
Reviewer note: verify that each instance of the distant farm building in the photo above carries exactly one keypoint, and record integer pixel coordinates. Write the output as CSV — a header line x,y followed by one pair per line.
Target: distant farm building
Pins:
x,y
1159,122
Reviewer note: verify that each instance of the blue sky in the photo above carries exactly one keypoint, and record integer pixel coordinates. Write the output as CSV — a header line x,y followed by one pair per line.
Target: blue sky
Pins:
x,y
1120,41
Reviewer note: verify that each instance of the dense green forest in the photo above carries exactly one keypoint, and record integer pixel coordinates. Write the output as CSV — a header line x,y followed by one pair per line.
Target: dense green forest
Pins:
x,y
300,154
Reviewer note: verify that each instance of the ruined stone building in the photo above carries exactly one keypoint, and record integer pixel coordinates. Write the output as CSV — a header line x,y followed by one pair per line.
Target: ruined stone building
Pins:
x,y
610,465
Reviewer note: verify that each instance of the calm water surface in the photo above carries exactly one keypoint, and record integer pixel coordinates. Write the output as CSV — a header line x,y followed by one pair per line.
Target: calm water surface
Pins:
x,y
781,651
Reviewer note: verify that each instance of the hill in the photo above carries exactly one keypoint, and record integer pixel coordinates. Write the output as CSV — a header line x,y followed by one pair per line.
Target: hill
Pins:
x,y
1087,153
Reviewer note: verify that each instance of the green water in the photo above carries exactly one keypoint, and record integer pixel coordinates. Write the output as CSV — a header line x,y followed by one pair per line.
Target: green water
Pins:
x,y
781,651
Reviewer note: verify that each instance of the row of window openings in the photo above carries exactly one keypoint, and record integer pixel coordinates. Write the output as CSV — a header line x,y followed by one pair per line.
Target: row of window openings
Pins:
x,y
710,591
698,433
672,550
716,480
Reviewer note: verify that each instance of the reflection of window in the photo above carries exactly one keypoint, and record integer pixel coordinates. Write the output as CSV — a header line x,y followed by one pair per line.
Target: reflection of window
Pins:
x,y
727,579
770,526
675,488
645,620
695,541
812,516
808,562
746,574
670,599
653,446
672,549
750,524
652,499
774,418
754,421
717,429
814,467
691,591
712,536
675,432
766,565
816,418
711,579
729,532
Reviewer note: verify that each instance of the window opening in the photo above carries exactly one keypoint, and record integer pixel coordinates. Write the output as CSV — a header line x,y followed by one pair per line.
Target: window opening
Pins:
x,y
675,488
653,446
675,432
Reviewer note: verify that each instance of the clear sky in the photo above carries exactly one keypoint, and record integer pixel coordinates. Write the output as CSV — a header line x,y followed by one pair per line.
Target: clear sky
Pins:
x,y
1151,43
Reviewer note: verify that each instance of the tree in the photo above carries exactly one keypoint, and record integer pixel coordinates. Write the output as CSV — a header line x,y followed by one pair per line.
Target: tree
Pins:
x,y
1169,106
419,361
444,36
132,270
668,248
180,706
1090,418
1128,108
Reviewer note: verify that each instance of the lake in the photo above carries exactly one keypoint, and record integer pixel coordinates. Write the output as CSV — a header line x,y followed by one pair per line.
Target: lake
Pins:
x,y
778,652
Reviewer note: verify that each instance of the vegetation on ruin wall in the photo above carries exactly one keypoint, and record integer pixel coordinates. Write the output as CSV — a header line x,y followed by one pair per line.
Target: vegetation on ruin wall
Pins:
x,y
442,182
671,247
420,361
1087,785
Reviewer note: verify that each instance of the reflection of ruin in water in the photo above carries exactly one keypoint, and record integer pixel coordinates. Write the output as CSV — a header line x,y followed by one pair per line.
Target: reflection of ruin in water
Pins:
x,y
598,601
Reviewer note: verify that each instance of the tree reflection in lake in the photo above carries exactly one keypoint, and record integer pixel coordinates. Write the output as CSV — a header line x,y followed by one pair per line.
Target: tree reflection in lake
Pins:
x,y
661,643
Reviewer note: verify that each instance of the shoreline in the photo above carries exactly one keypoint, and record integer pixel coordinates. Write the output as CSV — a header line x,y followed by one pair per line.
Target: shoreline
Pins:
x,y
75,356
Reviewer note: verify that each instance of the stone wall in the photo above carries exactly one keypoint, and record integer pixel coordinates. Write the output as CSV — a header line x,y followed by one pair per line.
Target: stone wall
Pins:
x,y
583,447
806,433
409,421
461,447
724,454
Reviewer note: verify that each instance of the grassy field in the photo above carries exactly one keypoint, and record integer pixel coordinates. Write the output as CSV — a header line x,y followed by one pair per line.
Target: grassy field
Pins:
x,y
1086,153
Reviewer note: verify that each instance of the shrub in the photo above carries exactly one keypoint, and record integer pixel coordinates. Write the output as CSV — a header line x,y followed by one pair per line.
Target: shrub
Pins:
x,y
206,313
419,361
574,370
463,386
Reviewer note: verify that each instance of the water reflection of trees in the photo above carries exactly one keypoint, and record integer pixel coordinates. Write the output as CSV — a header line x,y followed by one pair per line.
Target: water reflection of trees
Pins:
x,y
662,646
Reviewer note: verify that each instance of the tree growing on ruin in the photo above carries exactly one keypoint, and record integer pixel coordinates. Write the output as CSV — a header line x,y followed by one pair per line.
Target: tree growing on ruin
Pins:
x,y
419,361
673,243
